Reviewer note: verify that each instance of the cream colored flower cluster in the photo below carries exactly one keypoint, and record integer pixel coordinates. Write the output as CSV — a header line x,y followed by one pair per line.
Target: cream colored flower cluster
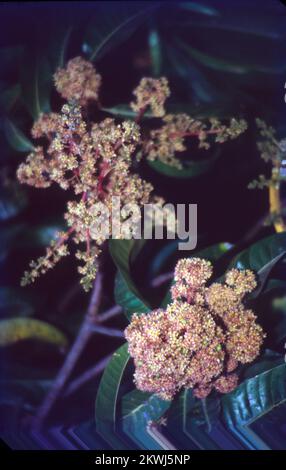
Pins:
x,y
93,160
170,138
200,338
78,81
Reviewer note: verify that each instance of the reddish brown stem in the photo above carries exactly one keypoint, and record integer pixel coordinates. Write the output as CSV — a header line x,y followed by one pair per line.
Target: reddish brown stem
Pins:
x,y
140,115
88,242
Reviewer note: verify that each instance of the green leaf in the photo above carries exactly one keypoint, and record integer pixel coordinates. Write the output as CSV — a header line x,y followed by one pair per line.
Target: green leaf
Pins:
x,y
186,407
196,82
255,397
258,255
214,252
155,48
126,293
16,138
9,96
17,329
124,111
127,298
274,285
138,410
264,273
206,411
178,417
187,421
191,168
223,65
200,112
36,85
265,362
107,398
58,46
113,25
181,406
205,9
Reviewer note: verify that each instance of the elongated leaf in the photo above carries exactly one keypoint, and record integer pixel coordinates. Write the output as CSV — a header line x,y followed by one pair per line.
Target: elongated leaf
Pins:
x,y
126,293
187,407
265,362
224,65
255,397
155,48
139,409
36,85
191,168
9,97
260,253
17,329
58,46
187,421
178,417
16,138
189,71
107,397
127,298
112,25
264,273
124,110
199,112
180,408
206,412
199,7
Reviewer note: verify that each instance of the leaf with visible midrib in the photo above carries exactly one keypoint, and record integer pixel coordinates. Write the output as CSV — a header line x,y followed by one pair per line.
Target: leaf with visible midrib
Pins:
x,y
107,397
255,397
16,138
138,410
36,85
264,273
260,253
114,24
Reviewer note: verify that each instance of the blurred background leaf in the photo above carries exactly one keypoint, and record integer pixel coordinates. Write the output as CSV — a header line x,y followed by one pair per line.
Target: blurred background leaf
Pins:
x,y
18,329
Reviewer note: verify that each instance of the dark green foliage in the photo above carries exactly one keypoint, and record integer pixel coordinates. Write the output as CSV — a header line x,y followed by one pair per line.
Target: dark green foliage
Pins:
x,y
220,61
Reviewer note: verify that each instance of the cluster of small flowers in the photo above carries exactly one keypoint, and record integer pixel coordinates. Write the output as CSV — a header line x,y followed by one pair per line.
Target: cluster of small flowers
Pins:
x,y
78,81
93,160
170,138
272,151
151,92
201,337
